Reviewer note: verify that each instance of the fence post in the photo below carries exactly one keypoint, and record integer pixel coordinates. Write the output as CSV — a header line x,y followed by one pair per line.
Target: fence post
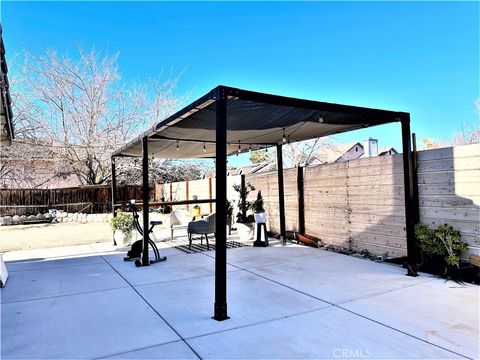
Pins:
x,y
415,179
301,200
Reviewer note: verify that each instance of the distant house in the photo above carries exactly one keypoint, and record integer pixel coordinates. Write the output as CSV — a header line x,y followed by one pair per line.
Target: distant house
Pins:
x,y
337,153
252,169
6,124
387,151
325,155
350,151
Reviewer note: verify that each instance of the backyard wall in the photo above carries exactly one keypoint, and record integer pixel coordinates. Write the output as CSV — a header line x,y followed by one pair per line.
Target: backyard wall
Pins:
x,y
86,199
449,190
359,204
203,189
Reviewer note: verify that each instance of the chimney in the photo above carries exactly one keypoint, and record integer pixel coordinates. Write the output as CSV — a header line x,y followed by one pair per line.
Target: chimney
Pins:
x,y
370,147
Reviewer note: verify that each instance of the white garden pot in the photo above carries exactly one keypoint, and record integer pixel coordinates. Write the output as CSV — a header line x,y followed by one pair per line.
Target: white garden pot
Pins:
x,y
245,231
260,218
121,239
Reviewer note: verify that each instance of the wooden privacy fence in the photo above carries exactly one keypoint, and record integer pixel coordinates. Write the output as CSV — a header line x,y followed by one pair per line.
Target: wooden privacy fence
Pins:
x,y
87,199
360,204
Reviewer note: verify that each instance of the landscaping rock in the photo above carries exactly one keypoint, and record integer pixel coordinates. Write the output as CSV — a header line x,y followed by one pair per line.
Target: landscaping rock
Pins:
x,y
40,217
7,220
16,219
23,218
31,217
48,216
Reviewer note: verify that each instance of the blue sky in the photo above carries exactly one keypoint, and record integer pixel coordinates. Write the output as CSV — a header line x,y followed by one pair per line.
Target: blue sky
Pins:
x,y
422,58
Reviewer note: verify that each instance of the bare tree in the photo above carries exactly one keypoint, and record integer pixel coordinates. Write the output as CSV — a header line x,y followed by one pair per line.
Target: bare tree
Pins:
x,y
303,153
470,133
129,171
81,111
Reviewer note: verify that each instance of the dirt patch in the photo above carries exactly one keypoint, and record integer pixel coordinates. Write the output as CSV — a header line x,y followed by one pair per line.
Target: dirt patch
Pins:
x,y
23,237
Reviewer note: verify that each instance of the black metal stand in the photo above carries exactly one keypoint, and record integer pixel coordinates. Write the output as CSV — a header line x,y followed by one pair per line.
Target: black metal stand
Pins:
x,y
261,229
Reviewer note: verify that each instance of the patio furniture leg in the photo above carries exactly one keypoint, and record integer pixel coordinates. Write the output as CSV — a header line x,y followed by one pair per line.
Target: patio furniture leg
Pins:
x,y
171,234
189,240
206,237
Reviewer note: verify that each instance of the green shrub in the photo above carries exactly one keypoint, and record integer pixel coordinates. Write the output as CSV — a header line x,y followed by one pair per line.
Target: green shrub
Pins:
x,y
257,205
122,222
243,206
444,242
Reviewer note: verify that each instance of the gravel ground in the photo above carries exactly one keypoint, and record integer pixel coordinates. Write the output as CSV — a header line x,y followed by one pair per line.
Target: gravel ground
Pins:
x,y
39,236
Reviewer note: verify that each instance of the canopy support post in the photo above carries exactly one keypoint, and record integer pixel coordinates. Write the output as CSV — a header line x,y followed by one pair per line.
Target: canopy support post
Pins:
x,y
114,194
220,305
281,194
409,197
145,200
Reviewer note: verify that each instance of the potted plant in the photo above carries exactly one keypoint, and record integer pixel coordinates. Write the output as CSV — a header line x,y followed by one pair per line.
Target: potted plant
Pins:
x,y
122,225
258,210
245,223
441,249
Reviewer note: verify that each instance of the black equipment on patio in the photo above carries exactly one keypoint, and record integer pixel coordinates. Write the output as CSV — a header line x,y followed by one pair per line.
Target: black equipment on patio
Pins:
x,y
135,252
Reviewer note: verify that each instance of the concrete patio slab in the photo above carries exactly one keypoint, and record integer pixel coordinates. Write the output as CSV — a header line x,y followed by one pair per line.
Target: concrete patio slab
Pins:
x,y
175,350
89,325
54,281
42,254
324,334
422,311
182,266
249,257
339,278
188,304
41,264
275,304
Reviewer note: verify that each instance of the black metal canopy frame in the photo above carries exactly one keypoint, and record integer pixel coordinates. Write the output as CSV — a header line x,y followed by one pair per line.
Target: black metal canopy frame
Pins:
x,y
229,120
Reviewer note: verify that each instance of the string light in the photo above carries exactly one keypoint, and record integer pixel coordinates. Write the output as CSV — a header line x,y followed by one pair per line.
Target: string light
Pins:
x,y
178,145
250,148
320,119
284,139
239,148
204,147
